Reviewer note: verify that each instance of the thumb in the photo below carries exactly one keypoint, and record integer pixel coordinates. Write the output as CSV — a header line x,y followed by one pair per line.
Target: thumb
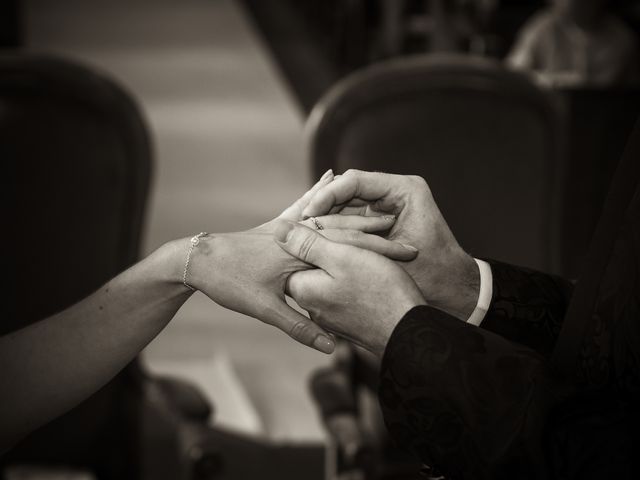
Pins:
x,y
308,245
297,326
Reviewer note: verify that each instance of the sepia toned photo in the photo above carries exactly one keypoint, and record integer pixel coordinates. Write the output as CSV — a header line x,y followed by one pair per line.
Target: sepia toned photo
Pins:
x,y
320,240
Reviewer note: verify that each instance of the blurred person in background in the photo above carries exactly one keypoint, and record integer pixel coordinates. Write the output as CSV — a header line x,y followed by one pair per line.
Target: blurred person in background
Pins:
x,y
577,43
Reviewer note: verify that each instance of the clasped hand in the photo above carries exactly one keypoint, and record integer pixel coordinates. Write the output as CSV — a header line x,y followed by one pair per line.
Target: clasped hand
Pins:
x,y
360,294
247,271
384,249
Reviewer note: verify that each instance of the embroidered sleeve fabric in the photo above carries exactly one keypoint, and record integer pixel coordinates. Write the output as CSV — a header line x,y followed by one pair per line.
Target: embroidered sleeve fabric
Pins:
x,y
528,307
470,404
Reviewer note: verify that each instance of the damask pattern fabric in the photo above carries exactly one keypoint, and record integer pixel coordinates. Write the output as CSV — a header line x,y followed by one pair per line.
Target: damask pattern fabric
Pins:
x,y
528,307
466,401
484,403
480,403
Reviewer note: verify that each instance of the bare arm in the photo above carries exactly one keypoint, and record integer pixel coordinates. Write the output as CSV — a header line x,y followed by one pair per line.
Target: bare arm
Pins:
x,y
51,366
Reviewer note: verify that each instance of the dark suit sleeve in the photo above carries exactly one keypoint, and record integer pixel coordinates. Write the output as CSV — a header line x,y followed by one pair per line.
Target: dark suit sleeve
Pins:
x,y
527,307
467,402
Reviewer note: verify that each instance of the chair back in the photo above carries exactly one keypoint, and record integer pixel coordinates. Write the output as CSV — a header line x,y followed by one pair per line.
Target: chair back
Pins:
x,y
486,140
79,159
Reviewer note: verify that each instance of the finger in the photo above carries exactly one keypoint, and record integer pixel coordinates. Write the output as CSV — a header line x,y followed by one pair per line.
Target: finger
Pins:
x,y
351,222
306,287
388,248
365,210
356,203
297,326
355,184
294,212
326,178
309,246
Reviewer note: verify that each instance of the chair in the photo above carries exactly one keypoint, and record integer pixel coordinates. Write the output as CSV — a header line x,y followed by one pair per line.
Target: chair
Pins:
x,y
78,162
486,140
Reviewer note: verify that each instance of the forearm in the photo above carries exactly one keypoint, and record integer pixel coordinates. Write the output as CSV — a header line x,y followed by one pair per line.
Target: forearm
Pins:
x,y
52,365
461,398
456,288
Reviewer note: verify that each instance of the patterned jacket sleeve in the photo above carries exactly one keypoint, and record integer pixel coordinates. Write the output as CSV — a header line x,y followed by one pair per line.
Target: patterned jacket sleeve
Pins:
x,y
469,403
528,307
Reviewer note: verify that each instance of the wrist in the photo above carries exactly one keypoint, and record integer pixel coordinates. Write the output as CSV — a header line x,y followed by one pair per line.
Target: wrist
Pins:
x,y
201,262
456,290
172,257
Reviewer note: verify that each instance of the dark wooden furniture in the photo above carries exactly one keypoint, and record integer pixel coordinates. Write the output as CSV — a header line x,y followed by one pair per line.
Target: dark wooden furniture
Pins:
x,y
78,160
486,140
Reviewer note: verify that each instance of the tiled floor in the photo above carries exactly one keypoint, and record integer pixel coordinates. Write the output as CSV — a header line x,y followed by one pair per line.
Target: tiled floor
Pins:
x,y
229,155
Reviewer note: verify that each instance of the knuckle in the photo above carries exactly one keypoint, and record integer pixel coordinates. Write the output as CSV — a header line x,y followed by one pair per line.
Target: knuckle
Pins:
x,y
417,180
306,246
418,183
354,235
302,331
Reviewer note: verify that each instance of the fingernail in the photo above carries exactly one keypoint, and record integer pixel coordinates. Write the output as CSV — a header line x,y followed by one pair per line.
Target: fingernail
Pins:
x,y
411,248
324,344
389,217
283,231
327,174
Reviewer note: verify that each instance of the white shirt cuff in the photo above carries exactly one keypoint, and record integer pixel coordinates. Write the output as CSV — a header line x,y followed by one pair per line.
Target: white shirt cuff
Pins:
x,y
486,292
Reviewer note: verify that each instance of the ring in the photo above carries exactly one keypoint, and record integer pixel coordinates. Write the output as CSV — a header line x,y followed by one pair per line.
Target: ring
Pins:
x,y
317,224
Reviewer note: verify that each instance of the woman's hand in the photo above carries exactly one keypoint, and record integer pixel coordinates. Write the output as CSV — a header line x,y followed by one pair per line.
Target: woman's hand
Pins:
x,y
247,271
356,293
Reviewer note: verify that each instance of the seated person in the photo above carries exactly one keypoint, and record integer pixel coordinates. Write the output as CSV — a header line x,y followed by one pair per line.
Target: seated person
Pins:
x,y
577,43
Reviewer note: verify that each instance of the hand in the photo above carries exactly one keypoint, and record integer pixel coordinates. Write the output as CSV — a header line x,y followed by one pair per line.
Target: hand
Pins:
x,y
247,272
356,293
447,276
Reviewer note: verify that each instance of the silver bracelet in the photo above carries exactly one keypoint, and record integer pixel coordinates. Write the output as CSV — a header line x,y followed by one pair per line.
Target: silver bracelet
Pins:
x,y
195,240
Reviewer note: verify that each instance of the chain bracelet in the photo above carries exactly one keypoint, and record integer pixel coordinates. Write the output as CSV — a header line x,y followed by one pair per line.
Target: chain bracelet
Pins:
x,y
195,240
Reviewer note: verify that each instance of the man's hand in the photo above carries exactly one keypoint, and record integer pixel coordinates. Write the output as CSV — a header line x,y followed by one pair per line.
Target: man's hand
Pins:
x,y
356,293
446,275
247,272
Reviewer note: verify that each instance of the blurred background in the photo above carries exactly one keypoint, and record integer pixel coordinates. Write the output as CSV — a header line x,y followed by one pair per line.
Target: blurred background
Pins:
x,y
513,110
